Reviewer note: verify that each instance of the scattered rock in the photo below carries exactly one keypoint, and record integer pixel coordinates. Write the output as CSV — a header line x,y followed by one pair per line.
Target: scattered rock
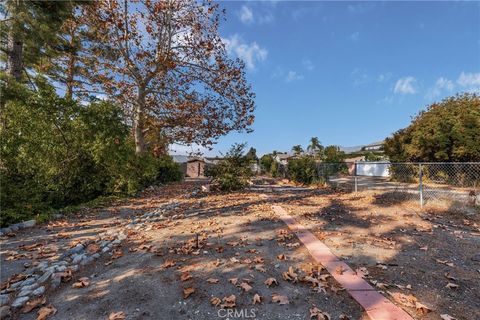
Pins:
x,y
24,293
39,291
29,223
45,277
4,299
476,257
19,302
78,258
4,312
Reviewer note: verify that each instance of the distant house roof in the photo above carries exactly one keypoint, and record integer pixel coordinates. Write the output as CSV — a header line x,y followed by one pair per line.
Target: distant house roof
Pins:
x,y
361,147
354,159
195,159
283,156
374,144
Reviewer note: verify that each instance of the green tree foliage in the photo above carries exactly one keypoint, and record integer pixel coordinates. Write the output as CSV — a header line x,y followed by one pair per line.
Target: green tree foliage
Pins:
x,y
252,154
316,148
297,149
32,28
266,162
233,172
333,154
57,152
302,170
370,156
274,169
445,131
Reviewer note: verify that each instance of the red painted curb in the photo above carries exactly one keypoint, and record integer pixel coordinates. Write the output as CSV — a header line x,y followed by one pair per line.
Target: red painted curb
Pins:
x,y
375,304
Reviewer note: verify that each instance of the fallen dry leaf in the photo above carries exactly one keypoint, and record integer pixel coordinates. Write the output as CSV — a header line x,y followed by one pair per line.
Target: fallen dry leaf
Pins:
x,y
168,263
421,308
257,298
260,267
215,301
276,298
290,275
187,292
81,283
318,314
451,285
282,257
46,312
32,304
406,300
185,276
117,316
271,281
93,248
117,253
245,286
212,280
362,272
233,281
229,302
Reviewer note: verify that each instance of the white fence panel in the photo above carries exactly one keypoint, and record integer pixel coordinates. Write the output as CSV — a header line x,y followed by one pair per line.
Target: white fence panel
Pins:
x,y
373,169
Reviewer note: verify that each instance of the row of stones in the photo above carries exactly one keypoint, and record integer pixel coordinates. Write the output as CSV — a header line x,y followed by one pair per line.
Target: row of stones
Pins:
x,y
49,274
17,226
141,221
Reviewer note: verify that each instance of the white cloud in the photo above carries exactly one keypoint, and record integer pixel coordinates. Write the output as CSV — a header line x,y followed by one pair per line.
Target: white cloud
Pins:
x,y
405,85
293,76
308,64
246,15
469,80
442,84
250,53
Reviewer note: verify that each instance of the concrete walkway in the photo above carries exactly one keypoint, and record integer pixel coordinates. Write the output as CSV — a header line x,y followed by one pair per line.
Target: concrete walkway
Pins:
x,y
375,304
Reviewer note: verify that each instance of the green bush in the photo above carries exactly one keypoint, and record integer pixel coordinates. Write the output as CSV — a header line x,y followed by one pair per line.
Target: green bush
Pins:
x,y
56,152
302,170
233,172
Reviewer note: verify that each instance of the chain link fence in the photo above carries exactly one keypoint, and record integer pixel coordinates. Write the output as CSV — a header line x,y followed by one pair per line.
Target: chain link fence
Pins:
x,y
425,182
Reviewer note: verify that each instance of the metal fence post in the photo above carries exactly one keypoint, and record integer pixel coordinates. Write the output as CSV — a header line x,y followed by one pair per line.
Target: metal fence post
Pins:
x,y
420,184
355,173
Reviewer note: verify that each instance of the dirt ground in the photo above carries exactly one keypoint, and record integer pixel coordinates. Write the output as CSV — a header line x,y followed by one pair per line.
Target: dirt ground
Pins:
x,y
218,245
430,255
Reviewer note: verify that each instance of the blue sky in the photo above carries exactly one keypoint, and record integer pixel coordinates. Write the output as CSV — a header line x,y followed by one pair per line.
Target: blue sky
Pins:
x,y
349,73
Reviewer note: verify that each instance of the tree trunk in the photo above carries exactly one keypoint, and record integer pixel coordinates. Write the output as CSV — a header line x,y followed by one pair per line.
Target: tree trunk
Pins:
x,y
15,56
139,123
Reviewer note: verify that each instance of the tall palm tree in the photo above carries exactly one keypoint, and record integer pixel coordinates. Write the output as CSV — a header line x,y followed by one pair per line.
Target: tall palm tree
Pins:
x,y
314,145
297,149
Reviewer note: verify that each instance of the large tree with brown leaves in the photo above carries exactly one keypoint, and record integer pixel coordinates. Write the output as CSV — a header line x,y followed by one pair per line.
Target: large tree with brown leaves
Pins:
x,y
166,60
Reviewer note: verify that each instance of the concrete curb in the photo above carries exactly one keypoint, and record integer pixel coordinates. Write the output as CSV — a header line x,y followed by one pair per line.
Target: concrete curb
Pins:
x,y
375,304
